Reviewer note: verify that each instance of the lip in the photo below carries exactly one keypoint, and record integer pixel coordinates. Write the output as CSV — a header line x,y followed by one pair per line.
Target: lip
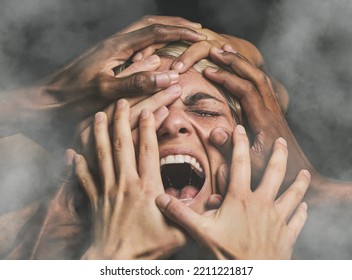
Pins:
x,y
165,151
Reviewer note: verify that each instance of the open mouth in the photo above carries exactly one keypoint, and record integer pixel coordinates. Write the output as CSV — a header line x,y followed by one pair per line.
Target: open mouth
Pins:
x,y
182,175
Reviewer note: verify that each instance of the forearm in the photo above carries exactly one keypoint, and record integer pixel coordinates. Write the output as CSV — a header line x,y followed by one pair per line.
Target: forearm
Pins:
x,y
325,190
19,108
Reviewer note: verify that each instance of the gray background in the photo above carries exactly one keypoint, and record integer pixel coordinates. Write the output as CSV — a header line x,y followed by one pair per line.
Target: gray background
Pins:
x,y
307,45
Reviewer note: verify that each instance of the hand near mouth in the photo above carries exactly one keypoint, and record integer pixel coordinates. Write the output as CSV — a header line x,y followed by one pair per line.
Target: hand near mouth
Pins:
x,y
126,223
248,225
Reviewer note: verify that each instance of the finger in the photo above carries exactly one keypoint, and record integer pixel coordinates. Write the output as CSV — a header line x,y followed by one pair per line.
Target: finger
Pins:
x,y
86,180
159,116
289,200
222,140
222,176
193,54
240,167
178,212
246,70
275,171
214,201
245,91
137,84
152,34
149,165
104,152
154,102
168,20
150,64
124,155
147,52
298,220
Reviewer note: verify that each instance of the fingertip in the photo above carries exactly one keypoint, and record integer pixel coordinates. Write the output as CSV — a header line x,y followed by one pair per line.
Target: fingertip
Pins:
x,y
304,205
210,70
178,66
145,114
219,136
99,117
306,173
162,201
138,56
229,48
282,141
240,130
121,103
69,156
77,158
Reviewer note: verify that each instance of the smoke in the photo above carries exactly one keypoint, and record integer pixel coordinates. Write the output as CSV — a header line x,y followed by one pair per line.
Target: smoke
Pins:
x,y
307,45
37,37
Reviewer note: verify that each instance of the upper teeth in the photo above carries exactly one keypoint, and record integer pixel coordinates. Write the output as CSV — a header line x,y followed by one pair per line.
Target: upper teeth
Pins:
x,y
181,159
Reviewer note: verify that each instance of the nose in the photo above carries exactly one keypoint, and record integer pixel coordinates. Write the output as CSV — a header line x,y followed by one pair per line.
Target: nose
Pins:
x,y
176,124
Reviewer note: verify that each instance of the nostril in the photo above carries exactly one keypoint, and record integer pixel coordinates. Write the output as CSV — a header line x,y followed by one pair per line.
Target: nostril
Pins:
x,y
182,130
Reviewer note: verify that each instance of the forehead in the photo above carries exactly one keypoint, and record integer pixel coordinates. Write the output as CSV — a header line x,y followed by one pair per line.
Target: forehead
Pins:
x,y
192,81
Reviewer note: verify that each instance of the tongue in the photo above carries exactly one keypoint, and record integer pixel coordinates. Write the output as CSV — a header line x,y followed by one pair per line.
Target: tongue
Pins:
x,y
186,192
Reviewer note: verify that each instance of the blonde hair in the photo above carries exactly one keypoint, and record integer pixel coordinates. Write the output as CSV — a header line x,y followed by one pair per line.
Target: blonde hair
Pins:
x,y
174,50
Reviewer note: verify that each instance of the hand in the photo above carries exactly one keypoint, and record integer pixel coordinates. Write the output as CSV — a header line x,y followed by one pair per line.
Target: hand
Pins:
x,y
266,120
248,225
84,139
126,224
87,85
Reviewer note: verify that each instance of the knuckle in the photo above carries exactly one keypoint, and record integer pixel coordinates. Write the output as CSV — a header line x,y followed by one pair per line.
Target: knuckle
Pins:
x,y
261,77
148,19
157,29
140,82
120,143
249,87
101,154
147,149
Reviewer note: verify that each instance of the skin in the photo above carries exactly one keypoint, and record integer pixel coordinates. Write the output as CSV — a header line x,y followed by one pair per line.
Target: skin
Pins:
x,y
125,208
87,84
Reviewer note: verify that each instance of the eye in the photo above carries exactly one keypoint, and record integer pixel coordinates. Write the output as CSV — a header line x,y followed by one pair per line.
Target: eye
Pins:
x,y
206,113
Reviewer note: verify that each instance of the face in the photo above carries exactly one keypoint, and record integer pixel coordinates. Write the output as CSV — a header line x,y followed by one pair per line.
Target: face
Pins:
x,y
188,160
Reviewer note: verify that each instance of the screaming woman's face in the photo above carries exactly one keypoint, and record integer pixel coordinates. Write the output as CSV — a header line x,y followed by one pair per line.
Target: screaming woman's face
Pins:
x,y
188,160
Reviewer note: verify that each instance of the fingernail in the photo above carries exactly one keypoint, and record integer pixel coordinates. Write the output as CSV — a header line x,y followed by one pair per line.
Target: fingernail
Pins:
x,y
212,70
121,103
220,137
178,66
154,59
196,24
99,117
138,56
174,89
69,155
162,79
77,158
217,50
161,112
240,129
203,36
162,201
174,76
304,205
282,141
145,113
229,48
306,173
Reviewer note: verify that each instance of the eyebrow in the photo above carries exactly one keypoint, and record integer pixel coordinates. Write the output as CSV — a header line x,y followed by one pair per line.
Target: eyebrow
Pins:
x,y
193,99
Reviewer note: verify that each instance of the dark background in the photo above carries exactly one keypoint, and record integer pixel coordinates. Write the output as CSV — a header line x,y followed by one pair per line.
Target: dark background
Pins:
x,y
307,45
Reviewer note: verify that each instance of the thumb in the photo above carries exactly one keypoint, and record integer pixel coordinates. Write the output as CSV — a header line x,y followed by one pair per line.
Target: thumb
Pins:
x,y
180,213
